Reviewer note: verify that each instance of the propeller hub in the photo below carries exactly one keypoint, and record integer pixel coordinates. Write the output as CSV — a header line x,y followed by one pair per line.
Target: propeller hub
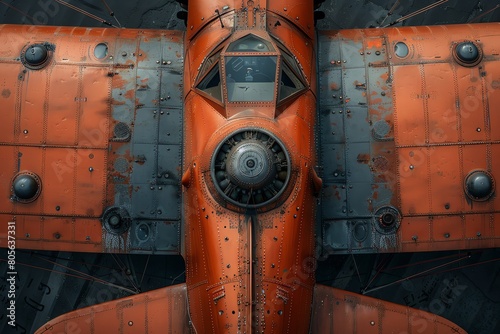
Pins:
x,y
250,168
250,165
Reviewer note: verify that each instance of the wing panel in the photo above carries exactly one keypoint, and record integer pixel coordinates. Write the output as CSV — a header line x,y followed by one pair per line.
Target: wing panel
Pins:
x,y
158,311
492,87
357,140
32,119
63,87
412,119
409,139
95,124
10,86
339,311
472,110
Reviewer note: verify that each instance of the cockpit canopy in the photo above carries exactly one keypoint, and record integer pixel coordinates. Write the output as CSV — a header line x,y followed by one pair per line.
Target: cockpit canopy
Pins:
x,y
251,70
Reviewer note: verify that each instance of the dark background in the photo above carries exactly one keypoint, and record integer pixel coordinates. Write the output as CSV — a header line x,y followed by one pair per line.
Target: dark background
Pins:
x,y
466,291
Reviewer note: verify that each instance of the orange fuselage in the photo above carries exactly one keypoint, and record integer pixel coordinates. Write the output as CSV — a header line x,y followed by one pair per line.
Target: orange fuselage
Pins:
x,y
248,268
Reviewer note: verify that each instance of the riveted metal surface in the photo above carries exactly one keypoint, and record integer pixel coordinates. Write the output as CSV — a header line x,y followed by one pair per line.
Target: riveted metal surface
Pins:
x,y
154,237
201,13
130,314
88,124
421,124
153,191
338,311
148,88
168,127
298,12
241,275
354,87
354,153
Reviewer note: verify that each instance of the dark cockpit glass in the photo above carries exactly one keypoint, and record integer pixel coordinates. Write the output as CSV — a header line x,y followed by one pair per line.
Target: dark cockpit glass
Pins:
x,y
250,78
289,82
211,84
250,43
247,72
250,70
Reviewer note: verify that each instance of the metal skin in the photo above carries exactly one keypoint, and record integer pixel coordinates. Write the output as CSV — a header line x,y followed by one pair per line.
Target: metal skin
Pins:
x,y
407,122
249,270
124,143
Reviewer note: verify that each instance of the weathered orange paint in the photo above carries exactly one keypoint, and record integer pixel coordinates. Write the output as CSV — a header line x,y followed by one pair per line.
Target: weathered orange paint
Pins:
x,y
241,276
339,311
157,311
247,271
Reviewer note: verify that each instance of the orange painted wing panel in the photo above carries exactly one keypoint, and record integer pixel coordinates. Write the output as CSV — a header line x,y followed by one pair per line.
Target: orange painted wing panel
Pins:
x,y
412,165
159,311
339,311
96,125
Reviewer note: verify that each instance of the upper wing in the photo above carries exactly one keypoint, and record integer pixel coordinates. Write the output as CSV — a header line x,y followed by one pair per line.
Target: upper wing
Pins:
x,y
410,138
339,311
91,138
160,311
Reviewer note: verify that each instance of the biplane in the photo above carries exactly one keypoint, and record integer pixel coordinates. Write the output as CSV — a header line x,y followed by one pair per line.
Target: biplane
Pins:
x,y
251,144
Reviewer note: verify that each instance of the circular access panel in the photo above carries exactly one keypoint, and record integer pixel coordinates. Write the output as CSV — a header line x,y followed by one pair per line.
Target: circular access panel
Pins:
x,y
360,231
401,50
143,232
101,51
116,220
387,220
250,168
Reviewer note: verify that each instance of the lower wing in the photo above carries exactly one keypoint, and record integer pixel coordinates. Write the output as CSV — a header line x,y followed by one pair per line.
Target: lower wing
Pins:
x,y
340,311
158,311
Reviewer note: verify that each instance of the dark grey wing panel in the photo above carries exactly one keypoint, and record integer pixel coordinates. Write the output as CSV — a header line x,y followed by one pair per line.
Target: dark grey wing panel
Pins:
x,y
356,145
148,162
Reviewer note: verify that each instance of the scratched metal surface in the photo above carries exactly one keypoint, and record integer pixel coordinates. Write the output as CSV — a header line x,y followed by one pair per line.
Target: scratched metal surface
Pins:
x,y
148,185
356,144
104,136
479,314
400,137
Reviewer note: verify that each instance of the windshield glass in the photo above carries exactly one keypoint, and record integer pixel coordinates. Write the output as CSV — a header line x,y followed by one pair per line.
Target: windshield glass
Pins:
x,y
211,84
289,82
250,43
250,78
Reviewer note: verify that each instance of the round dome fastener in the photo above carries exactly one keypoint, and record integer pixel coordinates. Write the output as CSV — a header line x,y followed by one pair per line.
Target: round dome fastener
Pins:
x,y
26,187
479,185
467,53
36,56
